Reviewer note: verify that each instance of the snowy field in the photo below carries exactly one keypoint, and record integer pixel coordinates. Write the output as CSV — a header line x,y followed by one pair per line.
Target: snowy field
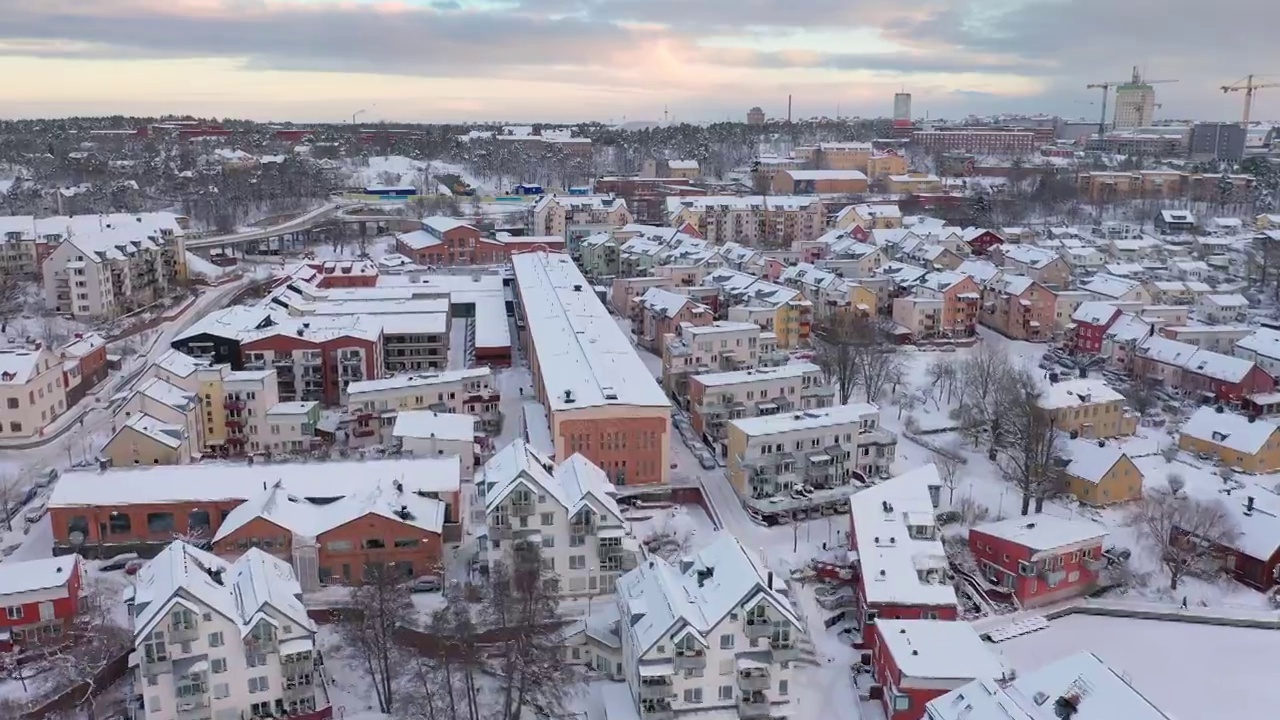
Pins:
x,y
1196,672
397,170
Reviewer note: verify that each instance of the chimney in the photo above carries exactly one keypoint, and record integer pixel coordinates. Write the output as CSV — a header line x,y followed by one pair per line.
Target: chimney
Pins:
x,y
1248,505
770,580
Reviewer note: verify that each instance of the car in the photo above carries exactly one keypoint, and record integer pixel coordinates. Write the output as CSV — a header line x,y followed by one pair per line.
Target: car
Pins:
x,y
1049,356
1204,456
1066,363
706,461
118,562
947,348
806,491
426,583
797,493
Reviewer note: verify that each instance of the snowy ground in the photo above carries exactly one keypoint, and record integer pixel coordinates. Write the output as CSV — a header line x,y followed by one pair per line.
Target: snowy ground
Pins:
x,y
1197,672
398,170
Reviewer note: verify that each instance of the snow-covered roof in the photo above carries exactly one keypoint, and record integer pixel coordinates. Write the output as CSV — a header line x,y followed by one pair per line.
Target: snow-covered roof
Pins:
x,y
166,434
179,364
809,275
1257,518
297,407
659,600
1110,286
1094,312
738,377
1012,285
740,202
1098,692
22,576
440,224
211,481
900,567
18,366
1227,368
575,484
1263,341
1177,216
400,382
430,424
938,650
83,345
1229,430
878,210
826,174
834,416
1163,350
419,240
664,302
309,517
1089,461
117,227
751,290
255,587
982,271
1029,255
1043,533
682,164
1229,300
584,358
1077,393
168,394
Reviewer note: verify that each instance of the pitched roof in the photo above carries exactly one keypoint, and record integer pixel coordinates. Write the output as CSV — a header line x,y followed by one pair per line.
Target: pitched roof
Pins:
x,y
1228,430
575,483
898,568
1089,461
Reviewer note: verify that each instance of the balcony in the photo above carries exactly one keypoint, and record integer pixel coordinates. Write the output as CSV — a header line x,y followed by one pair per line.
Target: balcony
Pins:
x,y
758,628
754,680
784,650
690,660
753,705
656,710
521,509
183,633
157,667
192,708
659,689
233,405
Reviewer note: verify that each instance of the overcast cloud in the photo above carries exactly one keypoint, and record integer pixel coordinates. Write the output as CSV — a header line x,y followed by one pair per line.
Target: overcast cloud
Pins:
x,y
604,59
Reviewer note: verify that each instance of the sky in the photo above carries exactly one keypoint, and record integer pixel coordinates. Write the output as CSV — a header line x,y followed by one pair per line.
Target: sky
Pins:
x,y
615,60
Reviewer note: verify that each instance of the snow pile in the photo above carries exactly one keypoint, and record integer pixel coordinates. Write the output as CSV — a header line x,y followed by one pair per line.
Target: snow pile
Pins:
x,y
197,265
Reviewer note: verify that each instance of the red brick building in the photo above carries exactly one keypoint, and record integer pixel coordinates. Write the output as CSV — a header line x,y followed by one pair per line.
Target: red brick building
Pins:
x,y
84,365
307,353
902,567
446,242
1041,558
915,661
1091,321
1227,378
40,598
981,240
647,197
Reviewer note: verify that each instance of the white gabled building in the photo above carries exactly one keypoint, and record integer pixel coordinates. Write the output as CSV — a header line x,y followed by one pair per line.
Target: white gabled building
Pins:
x,y
568,510
715,632
223,641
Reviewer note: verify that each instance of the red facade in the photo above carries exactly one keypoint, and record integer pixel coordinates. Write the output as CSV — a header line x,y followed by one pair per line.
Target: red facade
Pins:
x,y
39,615
335,376
91,366
887,674
1054,575
1256,381
1089,336
982,243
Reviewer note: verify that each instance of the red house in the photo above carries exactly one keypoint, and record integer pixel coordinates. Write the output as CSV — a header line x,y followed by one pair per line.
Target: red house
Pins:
x,y
40,597
1227,378
1253,557
339,274
981,240
84,365
1040,559
902,567
499,249
915,661
1092,320
442,241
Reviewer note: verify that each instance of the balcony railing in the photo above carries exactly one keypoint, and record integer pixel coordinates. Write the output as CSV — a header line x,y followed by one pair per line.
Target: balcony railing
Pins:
x,y
655,690
690,660
753,681
192,708
183,633
521,509
233,405
754,705
784,650
758,628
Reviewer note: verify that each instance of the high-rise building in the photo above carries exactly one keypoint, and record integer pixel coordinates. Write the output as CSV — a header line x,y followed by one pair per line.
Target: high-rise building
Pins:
x,y
755,116
1221,141
901,109
1135,103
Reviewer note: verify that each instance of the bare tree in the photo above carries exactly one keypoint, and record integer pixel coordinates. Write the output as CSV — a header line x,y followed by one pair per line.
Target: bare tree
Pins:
x,y
1187,533
522,609
1176,483
89,643
1169,453
1031,446
981,375
12,490
878,365
943,372
442,685
378,609
949,463
11,299
836,347
1141,396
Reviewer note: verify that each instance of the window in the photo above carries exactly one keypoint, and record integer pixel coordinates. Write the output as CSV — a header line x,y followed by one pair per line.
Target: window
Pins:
x,y
549,541
783,687
726,692
161,522
693,695
215,639
373,544
408,543
218,665
547,519
577,562
1073,576
726,641
258,684
901,702
340,545
12,403
15,427
13,612
255,659
221,690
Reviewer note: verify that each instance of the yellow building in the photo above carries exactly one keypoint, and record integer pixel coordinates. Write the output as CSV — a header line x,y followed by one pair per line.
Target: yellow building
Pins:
x,y
1089,408
1100,475
882,216
913,183
145,440
1267,222
879,166
1248,444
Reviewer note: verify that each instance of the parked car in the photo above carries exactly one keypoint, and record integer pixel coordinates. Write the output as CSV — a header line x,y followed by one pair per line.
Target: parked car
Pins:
x,y
118,562
426,583
706,461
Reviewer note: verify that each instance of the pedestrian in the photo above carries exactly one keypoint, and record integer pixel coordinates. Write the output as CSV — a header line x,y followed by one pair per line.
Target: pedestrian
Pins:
x,y
1184,602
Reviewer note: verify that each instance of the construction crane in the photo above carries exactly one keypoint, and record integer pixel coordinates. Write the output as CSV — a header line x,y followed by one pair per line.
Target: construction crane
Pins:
x,y
1249,87
1105,87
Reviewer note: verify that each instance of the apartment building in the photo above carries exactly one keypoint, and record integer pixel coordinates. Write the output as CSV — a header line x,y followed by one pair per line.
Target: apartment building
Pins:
x,y
833,182
107,265
84,365
1040,264
159,424
41,598
1107,186
1042,560
660,312
603,400
714,631
214,639
718,347
171,405
21,252
715,399
754,220
568,510
246,397
293,510
915,661
1088,408
426,433
825,449
902,566
31,389
374,404
415,342
290,428
1019,308
577,215
912,183
920,316
624,292
960,297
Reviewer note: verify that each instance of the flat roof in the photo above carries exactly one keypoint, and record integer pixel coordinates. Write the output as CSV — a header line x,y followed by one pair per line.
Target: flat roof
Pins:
x,y
430,424
397,382
583,357
807,419
938,649
737,377
1040,533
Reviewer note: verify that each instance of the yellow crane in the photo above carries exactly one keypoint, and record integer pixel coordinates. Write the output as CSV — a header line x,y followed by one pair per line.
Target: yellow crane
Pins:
x,y
1249,87
1105,87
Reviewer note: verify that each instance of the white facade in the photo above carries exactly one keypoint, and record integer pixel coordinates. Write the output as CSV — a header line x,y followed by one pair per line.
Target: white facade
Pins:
x,y
457,391
222,641
426,433
568,511
713,632
31,390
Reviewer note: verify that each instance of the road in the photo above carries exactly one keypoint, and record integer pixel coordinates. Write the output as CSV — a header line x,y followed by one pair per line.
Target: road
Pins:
x,y
302,222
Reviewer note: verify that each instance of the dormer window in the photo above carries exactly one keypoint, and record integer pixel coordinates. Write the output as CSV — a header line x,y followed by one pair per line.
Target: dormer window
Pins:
x,y
921,532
